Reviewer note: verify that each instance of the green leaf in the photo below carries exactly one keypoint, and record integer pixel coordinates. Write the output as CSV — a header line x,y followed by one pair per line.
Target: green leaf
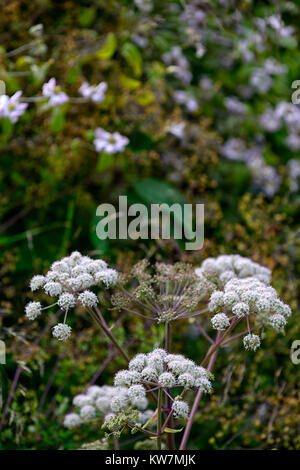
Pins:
x,y
73,74
158,192
173,431
7,129
140,141
105,161
57,120
133,58
109,47
103,246
87,16
129,83
154,191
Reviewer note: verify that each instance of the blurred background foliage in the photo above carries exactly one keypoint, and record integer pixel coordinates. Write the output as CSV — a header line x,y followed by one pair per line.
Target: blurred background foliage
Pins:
x,y
52,181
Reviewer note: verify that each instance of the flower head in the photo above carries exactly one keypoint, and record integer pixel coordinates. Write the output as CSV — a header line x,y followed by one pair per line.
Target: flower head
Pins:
x,y
251,342
61,331
180,409
33,310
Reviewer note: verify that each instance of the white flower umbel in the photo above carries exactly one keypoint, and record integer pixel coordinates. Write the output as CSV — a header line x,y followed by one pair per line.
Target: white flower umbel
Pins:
x,y
167,379
37,282
82,400
66,301
106,401
87,413
70,278
109,142
88,299
94,93
108,277
220,321
251,342
33,310
277,321
218,271
240,290
53,288
251,299
180,409
61,331
72,420
167,372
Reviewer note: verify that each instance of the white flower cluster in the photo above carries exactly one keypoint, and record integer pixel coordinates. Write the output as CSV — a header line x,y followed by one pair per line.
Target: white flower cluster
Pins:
x,y
214,273
70,280
249,296
61,331
165,371
106,401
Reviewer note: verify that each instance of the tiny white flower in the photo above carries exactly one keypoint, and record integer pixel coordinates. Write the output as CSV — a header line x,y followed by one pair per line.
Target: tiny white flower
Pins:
x,y
61,331
180,409
277,321
53,288
216,301
240,309
87,412
220,321
138,362
119,403
72,420
149,374
88,299
186,380
66,301
108,277
37,282
82,400
136,392
251,342
204,384
167,379
33,310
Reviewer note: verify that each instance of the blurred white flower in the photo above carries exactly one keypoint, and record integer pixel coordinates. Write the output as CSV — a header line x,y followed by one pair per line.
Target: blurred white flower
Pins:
x,y
11,107
109,142
94,93
54,93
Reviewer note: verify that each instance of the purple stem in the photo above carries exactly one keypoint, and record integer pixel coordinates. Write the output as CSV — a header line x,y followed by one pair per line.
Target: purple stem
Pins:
x,y
197,400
